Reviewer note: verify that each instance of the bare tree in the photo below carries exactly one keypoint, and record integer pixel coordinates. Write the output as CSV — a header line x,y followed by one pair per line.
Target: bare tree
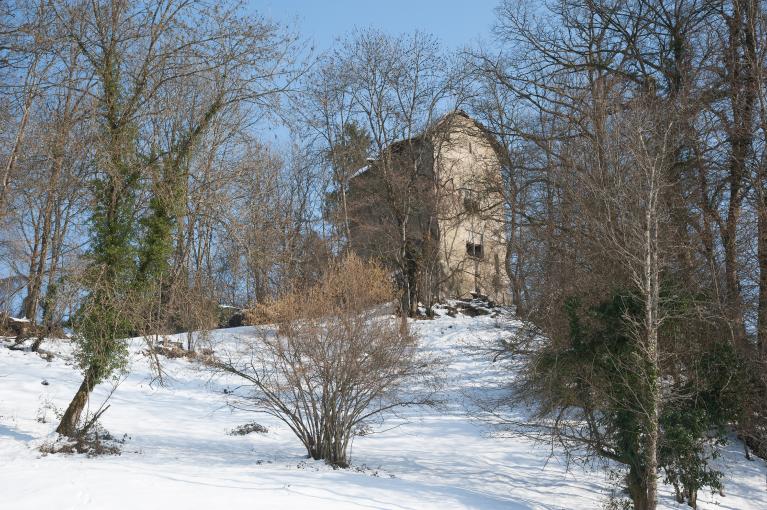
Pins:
x,y
393,90
335,361
27,44
140,56
326,112
610,110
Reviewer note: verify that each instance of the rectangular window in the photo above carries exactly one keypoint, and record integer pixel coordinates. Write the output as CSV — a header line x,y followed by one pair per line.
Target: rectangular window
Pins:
x,y
471,201
474,250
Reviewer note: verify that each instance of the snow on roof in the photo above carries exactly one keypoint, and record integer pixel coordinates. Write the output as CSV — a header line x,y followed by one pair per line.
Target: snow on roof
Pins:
x,y
360,171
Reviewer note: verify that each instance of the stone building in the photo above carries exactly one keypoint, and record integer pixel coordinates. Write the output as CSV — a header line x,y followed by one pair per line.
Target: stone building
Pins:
x,y
430,206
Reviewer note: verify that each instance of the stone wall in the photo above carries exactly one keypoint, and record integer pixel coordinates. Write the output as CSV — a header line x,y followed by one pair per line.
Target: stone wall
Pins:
x,y
470,210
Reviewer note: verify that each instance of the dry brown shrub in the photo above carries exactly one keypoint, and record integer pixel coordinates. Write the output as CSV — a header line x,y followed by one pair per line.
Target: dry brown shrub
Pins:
x,y
368,281
259,314
351,286
335,362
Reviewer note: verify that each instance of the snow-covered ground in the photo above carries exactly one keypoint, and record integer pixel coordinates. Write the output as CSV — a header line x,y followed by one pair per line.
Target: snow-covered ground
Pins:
x,y
178,453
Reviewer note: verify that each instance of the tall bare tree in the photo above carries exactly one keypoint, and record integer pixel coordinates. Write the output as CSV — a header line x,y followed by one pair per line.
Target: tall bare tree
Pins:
x,y
393,89
140,56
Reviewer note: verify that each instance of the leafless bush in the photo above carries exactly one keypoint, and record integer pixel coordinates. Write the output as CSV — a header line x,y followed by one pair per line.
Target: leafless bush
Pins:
x,y
334,362
260,313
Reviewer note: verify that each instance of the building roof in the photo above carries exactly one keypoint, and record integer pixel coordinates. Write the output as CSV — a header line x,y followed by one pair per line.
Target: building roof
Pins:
x,y
436,126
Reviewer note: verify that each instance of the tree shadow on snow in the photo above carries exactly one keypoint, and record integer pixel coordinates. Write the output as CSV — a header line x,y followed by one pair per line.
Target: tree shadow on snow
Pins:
x,y
6,431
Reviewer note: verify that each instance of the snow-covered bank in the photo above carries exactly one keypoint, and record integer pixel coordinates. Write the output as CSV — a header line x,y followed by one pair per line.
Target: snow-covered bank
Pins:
x,y
179,455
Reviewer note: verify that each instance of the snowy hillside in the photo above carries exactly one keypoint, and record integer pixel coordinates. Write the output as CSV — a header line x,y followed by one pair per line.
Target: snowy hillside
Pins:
x,y
178,453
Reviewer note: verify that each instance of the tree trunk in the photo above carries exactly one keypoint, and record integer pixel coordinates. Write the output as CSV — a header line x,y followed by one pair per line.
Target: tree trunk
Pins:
x,y
346,217
30,88
29,305
68,425
638,489
762,258
652,324
512,268
692,499
57,240
38,267
740,60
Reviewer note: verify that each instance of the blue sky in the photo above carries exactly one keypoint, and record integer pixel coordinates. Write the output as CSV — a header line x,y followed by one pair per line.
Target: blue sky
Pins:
x,y
455,22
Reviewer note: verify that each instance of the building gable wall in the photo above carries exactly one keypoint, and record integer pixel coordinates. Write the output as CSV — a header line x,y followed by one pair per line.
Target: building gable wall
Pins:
x,y
458,222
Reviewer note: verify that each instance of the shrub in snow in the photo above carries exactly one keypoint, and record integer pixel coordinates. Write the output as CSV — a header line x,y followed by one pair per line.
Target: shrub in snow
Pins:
x,y
589,392
248,428
94,442
334,361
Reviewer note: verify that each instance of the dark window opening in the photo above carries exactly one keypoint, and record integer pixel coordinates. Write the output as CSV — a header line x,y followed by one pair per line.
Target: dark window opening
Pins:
x,y
471,201
474,250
